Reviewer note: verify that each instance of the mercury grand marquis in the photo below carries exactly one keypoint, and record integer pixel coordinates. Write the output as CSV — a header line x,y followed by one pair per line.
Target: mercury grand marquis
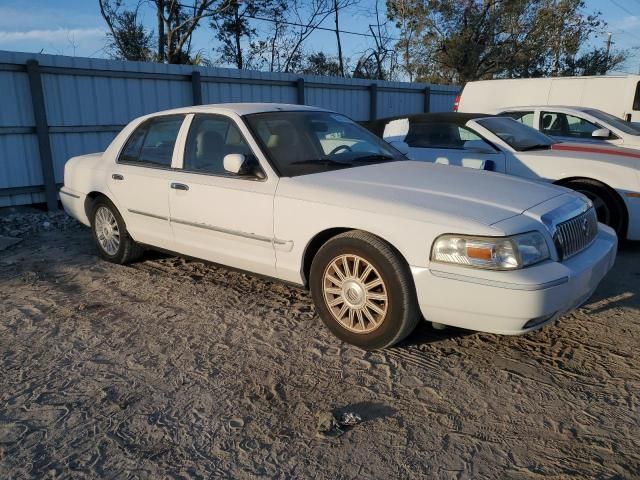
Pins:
x,y
309,197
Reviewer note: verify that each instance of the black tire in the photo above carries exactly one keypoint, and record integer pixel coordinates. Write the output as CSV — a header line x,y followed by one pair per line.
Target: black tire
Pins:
x,y
610,209
128,250
402,312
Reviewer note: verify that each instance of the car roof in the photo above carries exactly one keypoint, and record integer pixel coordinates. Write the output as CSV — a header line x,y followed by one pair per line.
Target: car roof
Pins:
x,y
458,118
555,107
241,108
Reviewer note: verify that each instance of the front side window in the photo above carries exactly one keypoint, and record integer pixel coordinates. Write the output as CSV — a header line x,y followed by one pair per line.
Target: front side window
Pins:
x,y
210,139
518,136
562,125
306,142
625,127
151,144
443,135
526,118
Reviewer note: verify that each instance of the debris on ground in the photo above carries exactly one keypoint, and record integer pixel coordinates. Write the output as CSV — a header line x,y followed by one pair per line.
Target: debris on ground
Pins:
x,y
330,426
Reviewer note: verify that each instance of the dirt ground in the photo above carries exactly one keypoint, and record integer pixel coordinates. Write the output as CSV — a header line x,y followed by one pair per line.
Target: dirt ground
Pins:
x,y
173,368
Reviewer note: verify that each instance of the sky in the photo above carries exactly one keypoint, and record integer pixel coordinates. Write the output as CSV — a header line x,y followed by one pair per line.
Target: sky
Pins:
x,y
75,27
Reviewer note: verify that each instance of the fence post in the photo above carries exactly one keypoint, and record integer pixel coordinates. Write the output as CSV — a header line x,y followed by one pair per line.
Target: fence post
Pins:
x,y
42,131
427,99
373,101
300,86
196,87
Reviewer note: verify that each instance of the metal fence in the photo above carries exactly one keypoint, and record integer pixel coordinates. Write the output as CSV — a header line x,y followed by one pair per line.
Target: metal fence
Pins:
x,y
54,107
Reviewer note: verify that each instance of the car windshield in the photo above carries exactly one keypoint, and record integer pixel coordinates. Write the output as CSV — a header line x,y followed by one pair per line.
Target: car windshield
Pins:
x,y
517,135
304,142
615,122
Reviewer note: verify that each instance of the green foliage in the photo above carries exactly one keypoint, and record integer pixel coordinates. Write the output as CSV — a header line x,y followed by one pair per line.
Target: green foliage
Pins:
x,y
463,40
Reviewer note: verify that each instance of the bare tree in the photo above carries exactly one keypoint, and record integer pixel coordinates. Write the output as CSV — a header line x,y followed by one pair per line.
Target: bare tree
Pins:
x,y
128,38
175,26
339,5
381,56
307,16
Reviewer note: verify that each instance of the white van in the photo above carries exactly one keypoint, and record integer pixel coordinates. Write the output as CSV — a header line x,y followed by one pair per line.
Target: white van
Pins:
x,y
617,95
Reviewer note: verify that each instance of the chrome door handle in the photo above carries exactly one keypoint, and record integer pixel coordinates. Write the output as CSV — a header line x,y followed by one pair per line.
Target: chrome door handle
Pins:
x,y
179,186
117,176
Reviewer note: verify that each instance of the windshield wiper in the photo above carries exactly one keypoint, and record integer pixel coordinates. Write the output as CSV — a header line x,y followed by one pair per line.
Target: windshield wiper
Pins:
x,y
537,146
373,158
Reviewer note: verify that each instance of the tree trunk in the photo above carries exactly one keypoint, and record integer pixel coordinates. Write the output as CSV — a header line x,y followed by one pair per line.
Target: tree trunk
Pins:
x,y
335,8
160,19
237,34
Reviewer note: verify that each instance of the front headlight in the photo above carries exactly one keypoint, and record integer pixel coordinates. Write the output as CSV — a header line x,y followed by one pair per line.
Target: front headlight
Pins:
x,y
495,253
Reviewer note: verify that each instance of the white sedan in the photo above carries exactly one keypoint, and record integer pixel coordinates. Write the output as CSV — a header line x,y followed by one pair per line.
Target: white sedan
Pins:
x,y
609,176
577,124
309,197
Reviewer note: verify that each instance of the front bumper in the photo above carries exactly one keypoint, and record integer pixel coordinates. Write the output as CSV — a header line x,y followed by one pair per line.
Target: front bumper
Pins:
x,y
515,302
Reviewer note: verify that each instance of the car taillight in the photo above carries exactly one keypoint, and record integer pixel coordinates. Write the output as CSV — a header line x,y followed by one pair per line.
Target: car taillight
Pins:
x,y
456,103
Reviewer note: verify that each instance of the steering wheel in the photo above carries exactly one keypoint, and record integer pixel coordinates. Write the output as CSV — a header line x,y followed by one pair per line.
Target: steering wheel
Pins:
x,y
338,148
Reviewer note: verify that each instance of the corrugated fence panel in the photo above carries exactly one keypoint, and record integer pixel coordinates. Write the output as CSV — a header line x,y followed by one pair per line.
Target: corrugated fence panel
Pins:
x,y
352,103
88,100
442,100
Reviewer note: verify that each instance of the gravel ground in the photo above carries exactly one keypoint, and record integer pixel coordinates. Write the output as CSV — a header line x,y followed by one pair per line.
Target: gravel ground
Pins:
x,y
173,368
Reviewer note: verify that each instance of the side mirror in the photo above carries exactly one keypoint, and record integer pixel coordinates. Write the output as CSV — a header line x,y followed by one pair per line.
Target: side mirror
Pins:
x,y
402,147
601,133
234,162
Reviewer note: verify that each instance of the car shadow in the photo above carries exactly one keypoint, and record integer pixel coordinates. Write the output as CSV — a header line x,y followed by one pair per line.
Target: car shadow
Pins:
x,y
424,333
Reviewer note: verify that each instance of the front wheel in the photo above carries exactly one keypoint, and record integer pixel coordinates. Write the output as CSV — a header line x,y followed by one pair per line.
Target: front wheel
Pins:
x,y
609,209
110,233
363,290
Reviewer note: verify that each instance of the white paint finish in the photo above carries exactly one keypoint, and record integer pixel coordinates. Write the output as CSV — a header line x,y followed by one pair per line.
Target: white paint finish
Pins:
x,y
612,94
230,204
144,194
470,304
614,167
266,226
623,139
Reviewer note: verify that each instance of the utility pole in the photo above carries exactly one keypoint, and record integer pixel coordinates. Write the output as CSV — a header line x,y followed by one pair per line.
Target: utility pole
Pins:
x,y
606,55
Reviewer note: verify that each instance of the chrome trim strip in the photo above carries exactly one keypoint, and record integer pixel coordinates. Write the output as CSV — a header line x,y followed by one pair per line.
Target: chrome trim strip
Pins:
x,y
237,233
145,214
494,283
69,194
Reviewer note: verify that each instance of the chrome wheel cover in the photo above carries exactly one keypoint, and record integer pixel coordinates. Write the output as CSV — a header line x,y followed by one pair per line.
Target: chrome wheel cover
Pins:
x,y
355,293
107,232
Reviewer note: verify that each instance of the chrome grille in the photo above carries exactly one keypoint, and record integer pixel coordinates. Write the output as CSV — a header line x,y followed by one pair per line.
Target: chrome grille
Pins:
x,y
576,234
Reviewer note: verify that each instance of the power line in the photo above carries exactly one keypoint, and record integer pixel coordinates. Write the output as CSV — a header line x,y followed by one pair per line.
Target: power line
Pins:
x,y
295,24
624,9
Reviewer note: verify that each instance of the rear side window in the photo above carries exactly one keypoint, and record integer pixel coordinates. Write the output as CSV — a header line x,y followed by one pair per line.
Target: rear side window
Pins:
x,y
525,118
151,144
440,135
636,97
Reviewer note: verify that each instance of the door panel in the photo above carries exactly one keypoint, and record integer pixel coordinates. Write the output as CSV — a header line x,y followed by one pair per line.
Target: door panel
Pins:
x,y
143,199
222,217
140,180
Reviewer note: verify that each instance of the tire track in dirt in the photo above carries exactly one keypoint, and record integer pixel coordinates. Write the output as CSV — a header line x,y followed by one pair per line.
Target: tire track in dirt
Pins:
x,y
172,367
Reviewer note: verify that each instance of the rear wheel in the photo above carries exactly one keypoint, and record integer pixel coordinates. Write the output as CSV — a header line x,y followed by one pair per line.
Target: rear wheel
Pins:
x,y
363,290
110,233
609,208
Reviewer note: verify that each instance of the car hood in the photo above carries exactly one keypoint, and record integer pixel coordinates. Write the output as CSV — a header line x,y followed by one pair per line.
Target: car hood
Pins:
x,y
421,190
